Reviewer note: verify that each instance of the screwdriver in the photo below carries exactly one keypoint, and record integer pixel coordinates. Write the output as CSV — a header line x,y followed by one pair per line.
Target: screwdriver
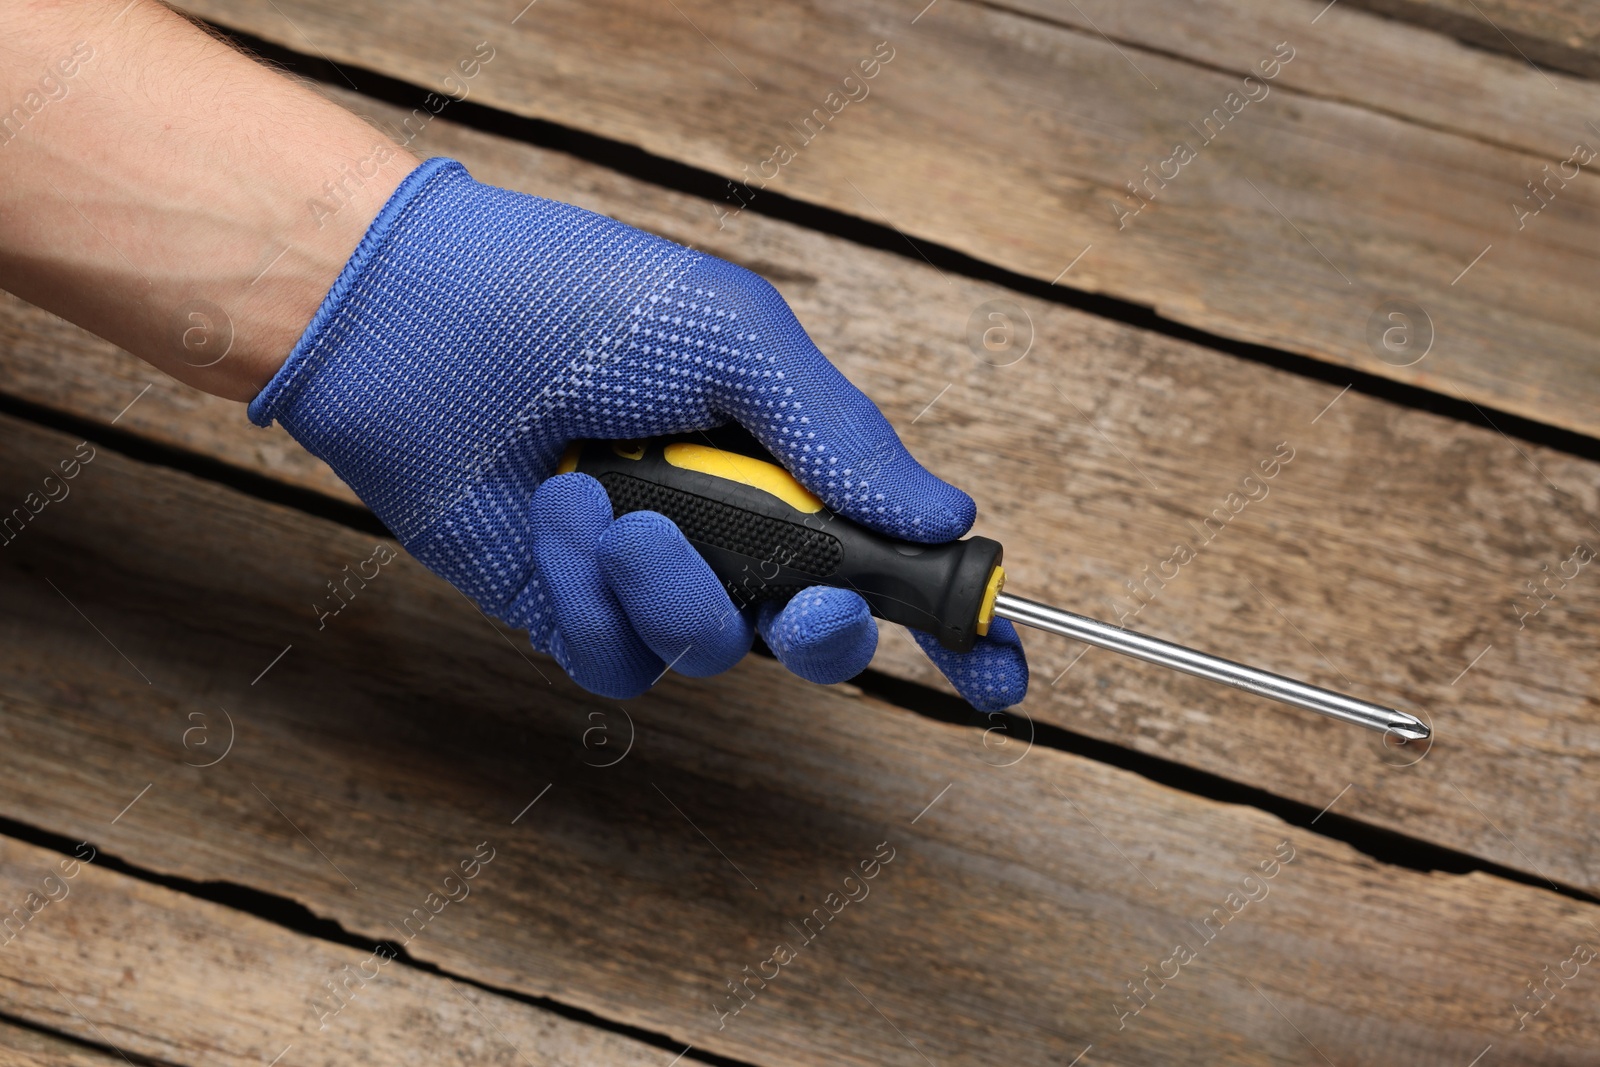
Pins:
x,y
767,537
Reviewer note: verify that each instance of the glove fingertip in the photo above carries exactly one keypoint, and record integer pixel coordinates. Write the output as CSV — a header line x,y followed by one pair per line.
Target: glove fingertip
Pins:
x,y
991,677
565,495
824,635
614,681
949,512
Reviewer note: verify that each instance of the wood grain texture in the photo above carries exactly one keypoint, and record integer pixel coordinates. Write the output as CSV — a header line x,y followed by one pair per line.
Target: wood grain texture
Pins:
x,y
1561,34
1012,907
154,973
22,1047
1010,137
1409,72
1385,559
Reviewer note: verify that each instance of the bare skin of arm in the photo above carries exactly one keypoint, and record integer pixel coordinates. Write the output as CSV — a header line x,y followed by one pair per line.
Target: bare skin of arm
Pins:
x,y
171,195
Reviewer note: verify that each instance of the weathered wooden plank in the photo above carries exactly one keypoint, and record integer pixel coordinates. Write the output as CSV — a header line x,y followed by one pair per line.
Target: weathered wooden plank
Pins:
x,y
151,972
1410,72
1396,544
1563,34
1008,911
52,362
21,1047
1014,138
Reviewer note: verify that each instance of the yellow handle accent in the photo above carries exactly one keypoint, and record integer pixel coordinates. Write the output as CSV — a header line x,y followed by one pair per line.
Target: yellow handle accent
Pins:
x,y
756,473
625,449
997,579
569,458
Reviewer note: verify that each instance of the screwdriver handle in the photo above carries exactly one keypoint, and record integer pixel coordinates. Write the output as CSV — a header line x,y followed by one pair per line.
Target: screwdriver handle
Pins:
x,y
767,537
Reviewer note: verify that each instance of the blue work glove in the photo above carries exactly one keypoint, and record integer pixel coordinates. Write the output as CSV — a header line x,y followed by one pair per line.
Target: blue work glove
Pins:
x,y
475,332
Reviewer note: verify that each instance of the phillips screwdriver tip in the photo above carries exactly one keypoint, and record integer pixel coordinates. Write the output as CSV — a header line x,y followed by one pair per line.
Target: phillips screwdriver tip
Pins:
x,y
1409,728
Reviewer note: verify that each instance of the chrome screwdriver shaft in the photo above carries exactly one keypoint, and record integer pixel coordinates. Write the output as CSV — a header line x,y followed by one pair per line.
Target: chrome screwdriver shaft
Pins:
x,y
1189,661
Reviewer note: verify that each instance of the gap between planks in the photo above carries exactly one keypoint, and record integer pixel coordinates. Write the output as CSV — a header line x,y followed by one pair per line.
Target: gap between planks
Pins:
x,y
1380,843
678,176
827,774
1549,34
1226,246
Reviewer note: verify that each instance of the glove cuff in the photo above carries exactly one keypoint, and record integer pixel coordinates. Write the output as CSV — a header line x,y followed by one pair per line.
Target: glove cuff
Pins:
x,y
279,393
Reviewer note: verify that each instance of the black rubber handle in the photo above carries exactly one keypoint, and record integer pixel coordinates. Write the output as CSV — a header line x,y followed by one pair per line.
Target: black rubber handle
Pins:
x,y
767,538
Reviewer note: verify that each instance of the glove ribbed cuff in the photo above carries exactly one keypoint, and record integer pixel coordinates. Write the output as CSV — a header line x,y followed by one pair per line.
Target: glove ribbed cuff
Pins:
x,y
280,391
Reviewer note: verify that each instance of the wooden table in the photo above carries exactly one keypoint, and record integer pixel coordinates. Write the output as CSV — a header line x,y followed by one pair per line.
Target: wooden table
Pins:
x,y
229,836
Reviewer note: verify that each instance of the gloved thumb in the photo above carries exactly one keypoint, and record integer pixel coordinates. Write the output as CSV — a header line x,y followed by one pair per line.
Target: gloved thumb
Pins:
x,y
807,414
849,455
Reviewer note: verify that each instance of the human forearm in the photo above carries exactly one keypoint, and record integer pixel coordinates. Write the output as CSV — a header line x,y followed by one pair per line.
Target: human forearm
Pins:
x,y
172,195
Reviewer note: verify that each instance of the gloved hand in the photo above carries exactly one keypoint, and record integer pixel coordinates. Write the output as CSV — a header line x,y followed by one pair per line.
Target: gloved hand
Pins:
x,y
475,332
